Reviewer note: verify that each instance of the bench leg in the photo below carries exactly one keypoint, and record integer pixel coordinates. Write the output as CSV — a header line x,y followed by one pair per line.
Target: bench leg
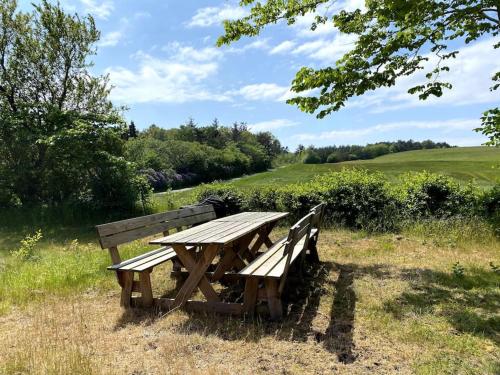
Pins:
x,y
128,282
146,290
273,300
250,295
313,250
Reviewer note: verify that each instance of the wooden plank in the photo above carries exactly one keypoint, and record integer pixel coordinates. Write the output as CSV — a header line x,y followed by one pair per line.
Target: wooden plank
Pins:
x,y
202,306
146,290
250,295
206,235
145,231
273,300
126,294
137,258
188,261
279,268
129,224
199,230
153,262
262,259
196,274
245,229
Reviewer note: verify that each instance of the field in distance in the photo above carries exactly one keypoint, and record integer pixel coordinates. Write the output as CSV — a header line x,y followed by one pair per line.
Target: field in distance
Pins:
x,y
461,163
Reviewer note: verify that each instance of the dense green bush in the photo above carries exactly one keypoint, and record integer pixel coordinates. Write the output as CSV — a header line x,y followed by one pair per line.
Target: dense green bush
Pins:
x,y
431,195
361,199
490,206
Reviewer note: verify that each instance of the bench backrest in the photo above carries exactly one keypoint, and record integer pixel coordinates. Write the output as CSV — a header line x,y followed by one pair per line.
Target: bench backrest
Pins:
x,y
123,231
297,236
318,215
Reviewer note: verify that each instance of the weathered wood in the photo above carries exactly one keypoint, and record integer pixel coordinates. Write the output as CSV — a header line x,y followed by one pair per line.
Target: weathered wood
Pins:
x,y
273,299
201,306
145,231
129,224
126,295
143,257
250,295
195,275
189,262
146,290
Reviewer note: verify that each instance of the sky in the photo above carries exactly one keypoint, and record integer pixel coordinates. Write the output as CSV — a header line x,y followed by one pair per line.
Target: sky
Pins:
x,y
163,63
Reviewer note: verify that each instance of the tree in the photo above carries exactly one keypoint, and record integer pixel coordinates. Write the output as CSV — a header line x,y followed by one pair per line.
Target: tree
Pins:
x,y
132,131
60,136
393,39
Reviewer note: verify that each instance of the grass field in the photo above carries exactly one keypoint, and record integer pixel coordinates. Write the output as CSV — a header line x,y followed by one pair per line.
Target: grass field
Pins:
x,y
377,304
463,163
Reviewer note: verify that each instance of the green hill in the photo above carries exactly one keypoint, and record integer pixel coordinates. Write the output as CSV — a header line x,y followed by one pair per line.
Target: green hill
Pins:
x,y
462,163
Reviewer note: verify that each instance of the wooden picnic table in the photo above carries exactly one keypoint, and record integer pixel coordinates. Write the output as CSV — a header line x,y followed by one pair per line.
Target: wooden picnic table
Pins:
x,y
235,238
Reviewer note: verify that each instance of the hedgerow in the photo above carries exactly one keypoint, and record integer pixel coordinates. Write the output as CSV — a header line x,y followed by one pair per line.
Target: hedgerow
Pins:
x,y
364,200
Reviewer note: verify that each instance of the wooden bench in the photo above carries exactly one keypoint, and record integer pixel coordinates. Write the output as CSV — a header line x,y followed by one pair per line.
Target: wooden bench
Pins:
x,y
272,267
117,233
317,221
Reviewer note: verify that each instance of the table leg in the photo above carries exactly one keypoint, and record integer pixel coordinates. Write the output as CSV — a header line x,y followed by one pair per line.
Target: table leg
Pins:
x,y
263,238
196,276
190,263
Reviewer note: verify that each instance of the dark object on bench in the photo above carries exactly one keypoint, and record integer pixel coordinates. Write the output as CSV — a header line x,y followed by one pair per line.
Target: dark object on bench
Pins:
x,y
217,203
113,234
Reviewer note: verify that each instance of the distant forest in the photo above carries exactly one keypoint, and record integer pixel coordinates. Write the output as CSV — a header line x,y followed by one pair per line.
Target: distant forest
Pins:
x,y
337,154
192,154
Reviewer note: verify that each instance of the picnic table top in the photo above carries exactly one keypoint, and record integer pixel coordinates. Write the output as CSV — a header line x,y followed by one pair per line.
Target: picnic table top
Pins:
x,y
221,231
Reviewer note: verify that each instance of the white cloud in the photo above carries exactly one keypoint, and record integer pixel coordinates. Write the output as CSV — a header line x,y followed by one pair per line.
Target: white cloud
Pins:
x,y
262,44
272,125
285,46
470,74
210,16
327,51
110,39
187,53
172,80
99,9
347,135
263,91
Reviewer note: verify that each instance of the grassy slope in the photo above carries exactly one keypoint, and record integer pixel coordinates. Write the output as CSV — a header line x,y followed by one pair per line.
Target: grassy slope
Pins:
x,y
464,164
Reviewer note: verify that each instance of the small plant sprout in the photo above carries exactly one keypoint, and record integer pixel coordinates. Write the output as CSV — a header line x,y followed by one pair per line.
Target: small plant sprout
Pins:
x,y
458,270
27,250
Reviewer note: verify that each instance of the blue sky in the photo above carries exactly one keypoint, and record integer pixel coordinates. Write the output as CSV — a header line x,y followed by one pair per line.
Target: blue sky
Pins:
x,y
162,60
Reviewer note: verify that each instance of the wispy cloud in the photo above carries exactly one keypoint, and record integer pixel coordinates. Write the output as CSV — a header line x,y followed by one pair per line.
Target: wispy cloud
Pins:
x,y
263,91
110,39
179,78
470,75
446,127
285,46
272,125
209,16
99,9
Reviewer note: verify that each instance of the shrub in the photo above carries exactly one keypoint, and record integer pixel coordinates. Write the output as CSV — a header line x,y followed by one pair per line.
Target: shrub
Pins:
x,y
359,199
490,206
312,157
27,250
432,195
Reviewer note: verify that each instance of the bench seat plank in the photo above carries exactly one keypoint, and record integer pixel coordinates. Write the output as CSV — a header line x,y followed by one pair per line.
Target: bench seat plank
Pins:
x,y
145,261
272,263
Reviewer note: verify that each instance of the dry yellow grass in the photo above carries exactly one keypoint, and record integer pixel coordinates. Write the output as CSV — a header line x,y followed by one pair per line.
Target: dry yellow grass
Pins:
x,y
377,304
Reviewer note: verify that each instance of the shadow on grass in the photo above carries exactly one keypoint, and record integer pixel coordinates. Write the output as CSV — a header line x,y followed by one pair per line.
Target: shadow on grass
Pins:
x,y
470,303
301,303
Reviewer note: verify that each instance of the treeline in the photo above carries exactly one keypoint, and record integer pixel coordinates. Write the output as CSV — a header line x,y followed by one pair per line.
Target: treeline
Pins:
x,y
336,154
191,154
